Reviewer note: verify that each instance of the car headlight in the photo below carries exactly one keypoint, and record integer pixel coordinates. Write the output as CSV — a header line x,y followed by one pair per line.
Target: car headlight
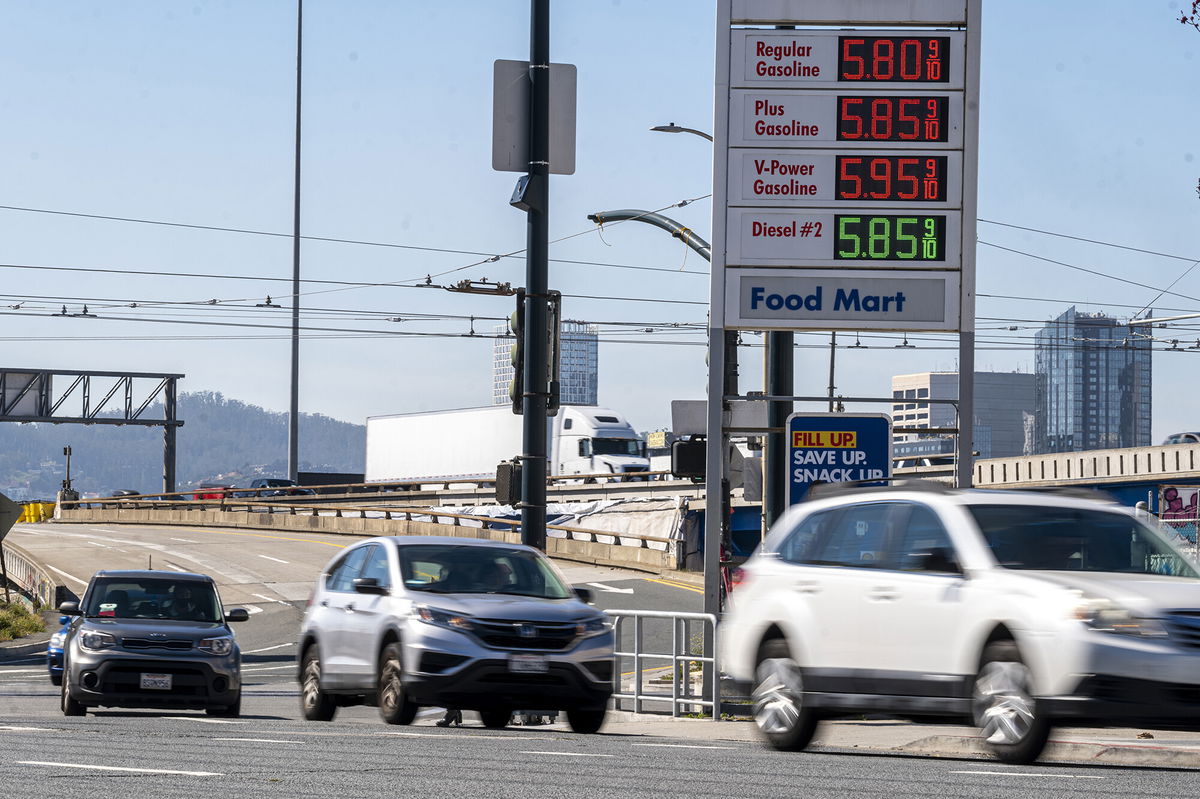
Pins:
x,y
443,618
1104,615
594,626
95,641
56,640
221,645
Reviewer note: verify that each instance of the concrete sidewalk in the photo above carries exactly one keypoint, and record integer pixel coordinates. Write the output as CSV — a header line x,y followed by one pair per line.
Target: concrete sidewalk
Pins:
x,y
1117,746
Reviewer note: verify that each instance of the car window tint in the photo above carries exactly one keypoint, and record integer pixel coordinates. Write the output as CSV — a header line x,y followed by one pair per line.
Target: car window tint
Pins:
x,y
342,576
377,566
923,544
798,545
857,537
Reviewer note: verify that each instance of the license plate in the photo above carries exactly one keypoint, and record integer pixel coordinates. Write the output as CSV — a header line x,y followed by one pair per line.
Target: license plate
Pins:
x,y
156,682
528,664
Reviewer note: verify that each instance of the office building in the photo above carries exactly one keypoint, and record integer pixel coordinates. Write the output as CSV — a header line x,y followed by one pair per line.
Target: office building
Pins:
x,y
1002,400
1093,384
577,364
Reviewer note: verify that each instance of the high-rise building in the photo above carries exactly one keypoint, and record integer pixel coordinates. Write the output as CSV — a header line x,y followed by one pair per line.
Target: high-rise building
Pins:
x,y
1093,384
1002,399
578,348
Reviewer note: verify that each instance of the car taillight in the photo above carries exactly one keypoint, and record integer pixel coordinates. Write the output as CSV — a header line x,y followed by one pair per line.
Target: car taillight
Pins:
x,y
737,576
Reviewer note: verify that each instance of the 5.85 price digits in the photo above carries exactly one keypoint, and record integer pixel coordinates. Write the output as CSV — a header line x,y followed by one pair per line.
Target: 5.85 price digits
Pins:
x,y
889,177
886,237
892,118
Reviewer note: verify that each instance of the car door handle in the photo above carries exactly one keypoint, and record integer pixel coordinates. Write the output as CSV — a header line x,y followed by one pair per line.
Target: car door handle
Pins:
x,y
349,607
807,587
884,593
324,603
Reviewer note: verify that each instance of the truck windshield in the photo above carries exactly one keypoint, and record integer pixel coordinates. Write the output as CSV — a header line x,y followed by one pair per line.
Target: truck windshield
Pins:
x,y
616,446
1076,539
456,569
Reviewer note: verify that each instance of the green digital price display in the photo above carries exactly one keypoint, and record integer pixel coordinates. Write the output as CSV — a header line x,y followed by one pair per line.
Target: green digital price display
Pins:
x,y
890,237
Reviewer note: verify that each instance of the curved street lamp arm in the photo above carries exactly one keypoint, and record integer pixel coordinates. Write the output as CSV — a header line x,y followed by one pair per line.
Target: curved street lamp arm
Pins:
x,y
677,230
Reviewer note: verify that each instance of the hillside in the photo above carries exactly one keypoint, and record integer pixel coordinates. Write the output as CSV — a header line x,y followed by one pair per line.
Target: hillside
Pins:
x,y
220,437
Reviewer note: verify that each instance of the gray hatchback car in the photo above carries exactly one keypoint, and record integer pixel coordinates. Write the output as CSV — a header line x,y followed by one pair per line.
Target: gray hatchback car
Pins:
x,y
151,639
463,623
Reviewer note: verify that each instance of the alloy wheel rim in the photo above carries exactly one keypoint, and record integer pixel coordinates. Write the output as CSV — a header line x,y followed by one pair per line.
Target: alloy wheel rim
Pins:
x,y
1004,707
312,682
391,684
777,695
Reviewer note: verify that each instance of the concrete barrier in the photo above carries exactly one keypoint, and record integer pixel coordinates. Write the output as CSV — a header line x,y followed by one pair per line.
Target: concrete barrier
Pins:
x,y
640,557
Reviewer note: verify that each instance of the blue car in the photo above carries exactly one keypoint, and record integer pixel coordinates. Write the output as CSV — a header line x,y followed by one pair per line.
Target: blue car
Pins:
x,y
54,651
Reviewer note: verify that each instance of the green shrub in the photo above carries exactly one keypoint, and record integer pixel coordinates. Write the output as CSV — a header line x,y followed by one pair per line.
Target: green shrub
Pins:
x,y
17,621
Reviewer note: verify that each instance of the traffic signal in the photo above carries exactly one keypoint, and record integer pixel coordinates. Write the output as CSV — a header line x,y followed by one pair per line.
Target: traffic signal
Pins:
x,y
516,324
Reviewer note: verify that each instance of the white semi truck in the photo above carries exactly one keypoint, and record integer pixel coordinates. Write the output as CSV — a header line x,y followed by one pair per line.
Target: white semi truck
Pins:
x,y
468,444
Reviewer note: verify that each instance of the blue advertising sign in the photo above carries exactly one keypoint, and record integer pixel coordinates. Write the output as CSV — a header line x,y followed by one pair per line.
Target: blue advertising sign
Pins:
x,y
836,448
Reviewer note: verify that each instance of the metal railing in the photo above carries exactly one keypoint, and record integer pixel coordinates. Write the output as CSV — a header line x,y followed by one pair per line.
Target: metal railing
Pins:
x,y
27,577
680,657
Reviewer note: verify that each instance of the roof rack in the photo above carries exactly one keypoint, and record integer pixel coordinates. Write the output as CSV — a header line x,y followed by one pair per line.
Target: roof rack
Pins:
x,y
823,490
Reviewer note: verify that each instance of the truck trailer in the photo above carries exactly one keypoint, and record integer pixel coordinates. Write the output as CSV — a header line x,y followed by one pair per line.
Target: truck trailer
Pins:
x,y
469,443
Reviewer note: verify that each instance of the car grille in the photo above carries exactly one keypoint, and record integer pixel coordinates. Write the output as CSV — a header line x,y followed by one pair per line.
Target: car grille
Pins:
x,y
173,644
1184,627
538,635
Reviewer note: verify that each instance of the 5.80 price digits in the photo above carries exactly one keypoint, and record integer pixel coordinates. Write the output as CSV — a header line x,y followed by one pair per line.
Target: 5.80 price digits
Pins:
x,y
884,58
889,177
892,118
889,238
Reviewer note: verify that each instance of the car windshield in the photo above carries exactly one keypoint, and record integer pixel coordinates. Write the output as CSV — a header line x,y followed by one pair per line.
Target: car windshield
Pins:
x,y
152,598
457,569
616,446
1076,539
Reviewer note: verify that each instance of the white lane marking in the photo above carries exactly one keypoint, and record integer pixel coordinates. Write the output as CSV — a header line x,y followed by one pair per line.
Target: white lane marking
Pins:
x,y
256,669
185,540
6,672
204,721
68,576
1032,774
269,599
611,589
252,609
98,544
686,746
267,648
480,736
119,768
268,557
255,740
171,565
566,754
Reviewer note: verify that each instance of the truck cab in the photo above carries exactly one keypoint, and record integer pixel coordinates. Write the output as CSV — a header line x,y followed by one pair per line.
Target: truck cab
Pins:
x,y
595,441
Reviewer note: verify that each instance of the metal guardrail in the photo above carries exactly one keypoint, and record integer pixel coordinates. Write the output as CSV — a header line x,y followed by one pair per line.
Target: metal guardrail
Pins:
x,y
27,577
680,658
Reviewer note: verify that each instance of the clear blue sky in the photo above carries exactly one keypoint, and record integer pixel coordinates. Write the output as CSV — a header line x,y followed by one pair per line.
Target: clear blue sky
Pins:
x,y
183,112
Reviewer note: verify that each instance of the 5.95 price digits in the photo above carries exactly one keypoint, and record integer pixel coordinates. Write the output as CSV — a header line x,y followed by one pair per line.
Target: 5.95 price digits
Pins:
x,y
889,177
892,118
888,58
890,238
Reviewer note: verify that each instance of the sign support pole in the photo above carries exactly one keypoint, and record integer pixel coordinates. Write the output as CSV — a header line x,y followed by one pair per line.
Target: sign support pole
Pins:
x,y
533,405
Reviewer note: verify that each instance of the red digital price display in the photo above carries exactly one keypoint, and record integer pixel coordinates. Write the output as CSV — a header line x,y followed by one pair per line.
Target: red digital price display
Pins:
x,y
924,59
892,118
891,177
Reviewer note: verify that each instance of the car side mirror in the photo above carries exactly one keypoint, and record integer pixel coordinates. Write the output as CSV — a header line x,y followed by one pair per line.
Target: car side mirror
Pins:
x,y
368,585
585,594
69,609
237,614
940,559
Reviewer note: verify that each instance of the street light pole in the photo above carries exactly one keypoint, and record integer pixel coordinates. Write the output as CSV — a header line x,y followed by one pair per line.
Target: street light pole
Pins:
x,y
294,407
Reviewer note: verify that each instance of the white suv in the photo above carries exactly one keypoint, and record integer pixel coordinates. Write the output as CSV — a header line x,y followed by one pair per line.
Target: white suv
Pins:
x,y
1015,610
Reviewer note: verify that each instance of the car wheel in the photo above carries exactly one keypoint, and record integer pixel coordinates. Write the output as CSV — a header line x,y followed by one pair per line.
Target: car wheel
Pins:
x,y
56,679
394,705
586,722
315,703
229,711
495,719
69,706
1004,707
780,712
